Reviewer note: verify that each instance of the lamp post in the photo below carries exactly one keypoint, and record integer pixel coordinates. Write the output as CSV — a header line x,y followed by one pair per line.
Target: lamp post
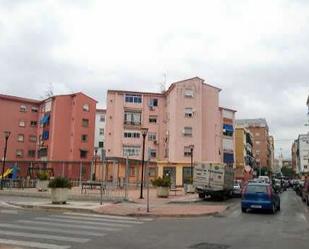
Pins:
x,y
144,133
191,154
95,163
6,136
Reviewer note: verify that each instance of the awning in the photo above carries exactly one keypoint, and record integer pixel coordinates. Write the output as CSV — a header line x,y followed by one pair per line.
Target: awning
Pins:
x,y
45,135
228,127
45,119
228,158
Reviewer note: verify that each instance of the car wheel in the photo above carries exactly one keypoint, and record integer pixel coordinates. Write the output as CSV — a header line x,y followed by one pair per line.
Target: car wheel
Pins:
x,y
201,195
278,208
244,210
273,210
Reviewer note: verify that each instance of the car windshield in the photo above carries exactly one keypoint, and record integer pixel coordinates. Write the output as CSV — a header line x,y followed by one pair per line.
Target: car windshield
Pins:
x,y
256,189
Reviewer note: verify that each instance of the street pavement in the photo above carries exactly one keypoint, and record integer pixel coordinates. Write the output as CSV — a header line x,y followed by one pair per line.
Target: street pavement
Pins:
x,y
232,229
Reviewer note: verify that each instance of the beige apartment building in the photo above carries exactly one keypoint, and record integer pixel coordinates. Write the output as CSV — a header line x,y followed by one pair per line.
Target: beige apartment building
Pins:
x,y
185,116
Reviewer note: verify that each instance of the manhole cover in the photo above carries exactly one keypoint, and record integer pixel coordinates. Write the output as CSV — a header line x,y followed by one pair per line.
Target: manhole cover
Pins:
x,y
208,246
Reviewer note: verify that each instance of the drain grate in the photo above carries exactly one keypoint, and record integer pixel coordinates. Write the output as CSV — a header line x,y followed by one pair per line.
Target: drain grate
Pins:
x,y
205,245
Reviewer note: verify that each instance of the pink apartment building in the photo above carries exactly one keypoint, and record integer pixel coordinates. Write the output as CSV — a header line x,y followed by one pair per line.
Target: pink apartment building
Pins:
x,y
57,132
187,114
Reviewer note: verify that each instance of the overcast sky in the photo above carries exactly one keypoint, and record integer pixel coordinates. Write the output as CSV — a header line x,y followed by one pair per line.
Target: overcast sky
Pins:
x,y
256,51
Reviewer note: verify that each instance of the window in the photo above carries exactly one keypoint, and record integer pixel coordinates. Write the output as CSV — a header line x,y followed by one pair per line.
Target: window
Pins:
x,y
153,119
257,134
85,122
257,152
23,108
187,131
31,153
153,153
19,153
84,138
153,102
132,118
189,112
20,138
34,109
189,93
86,108
131,150
187,151
33,123
101,131
131,134
32,138
22,123
152,136
133,98
83,153
152,172
101,144
102,118
257,142
42,152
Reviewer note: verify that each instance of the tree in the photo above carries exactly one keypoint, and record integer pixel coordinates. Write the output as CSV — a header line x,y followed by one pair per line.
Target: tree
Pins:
x,y
287,171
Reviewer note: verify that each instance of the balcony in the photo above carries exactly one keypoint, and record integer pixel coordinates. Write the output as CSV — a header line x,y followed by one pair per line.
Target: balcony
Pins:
x,y
132,123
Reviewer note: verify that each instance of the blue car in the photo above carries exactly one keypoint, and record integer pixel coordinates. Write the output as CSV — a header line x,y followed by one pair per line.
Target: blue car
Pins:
x,y
260,196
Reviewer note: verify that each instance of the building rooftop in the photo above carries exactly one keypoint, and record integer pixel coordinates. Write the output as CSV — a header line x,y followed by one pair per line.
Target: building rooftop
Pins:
x,y
256,122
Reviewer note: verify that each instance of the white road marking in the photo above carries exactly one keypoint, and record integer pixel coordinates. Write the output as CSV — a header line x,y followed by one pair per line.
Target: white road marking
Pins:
x,y
108,216
97,219
8,211
43,236
32,244
45,229
57,224
83,222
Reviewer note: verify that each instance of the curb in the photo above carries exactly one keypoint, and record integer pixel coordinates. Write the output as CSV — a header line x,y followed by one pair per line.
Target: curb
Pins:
x,y
94,211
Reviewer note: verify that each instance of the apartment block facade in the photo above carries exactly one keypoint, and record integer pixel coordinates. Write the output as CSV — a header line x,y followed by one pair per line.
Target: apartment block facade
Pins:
x,y
245,160
263,147
99,132
56,131
186,115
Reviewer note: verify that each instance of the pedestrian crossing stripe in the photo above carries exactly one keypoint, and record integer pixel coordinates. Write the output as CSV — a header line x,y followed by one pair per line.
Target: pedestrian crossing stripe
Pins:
x,y
49,229
78,226
107,216
105,224
97,219
43,236
32,244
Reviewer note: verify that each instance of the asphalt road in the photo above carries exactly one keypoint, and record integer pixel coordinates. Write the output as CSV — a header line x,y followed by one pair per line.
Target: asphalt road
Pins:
x,y
288,229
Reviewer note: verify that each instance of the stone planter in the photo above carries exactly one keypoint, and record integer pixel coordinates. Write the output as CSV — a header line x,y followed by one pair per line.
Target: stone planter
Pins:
x,y
163,192
59,195
189,188
42,185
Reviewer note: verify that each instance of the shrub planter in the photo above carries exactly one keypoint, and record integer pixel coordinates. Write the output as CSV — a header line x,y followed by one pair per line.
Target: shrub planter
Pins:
x,y
163,192
42,185
59,195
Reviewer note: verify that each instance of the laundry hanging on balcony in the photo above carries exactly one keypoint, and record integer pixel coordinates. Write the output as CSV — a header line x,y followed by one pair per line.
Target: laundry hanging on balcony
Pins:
x,y
227,127
45,119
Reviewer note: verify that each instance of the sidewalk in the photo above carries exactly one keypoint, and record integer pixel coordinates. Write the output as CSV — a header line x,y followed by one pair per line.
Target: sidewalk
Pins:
x,y
176,205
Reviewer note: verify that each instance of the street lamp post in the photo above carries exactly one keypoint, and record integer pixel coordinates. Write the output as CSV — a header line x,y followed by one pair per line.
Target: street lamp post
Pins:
x,y
6,136
144,133
191,154
95,164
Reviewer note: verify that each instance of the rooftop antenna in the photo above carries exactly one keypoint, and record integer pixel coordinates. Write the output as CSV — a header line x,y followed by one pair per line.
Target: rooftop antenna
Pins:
x,y
163,84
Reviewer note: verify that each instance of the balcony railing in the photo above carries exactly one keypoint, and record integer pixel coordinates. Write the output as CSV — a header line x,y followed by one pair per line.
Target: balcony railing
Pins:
x,y
135,123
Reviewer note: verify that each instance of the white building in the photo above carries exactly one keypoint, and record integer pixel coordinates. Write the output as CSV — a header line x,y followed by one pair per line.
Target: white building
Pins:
x,y
99,131
302,162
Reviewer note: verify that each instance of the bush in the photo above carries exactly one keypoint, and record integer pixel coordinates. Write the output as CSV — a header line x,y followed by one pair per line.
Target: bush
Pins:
x,y
42,175
161,182
60,182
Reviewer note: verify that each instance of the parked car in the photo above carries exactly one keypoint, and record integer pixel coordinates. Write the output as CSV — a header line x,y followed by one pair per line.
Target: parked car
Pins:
x,y
305,192
260,196
277,185
237,189
299,187
264,179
